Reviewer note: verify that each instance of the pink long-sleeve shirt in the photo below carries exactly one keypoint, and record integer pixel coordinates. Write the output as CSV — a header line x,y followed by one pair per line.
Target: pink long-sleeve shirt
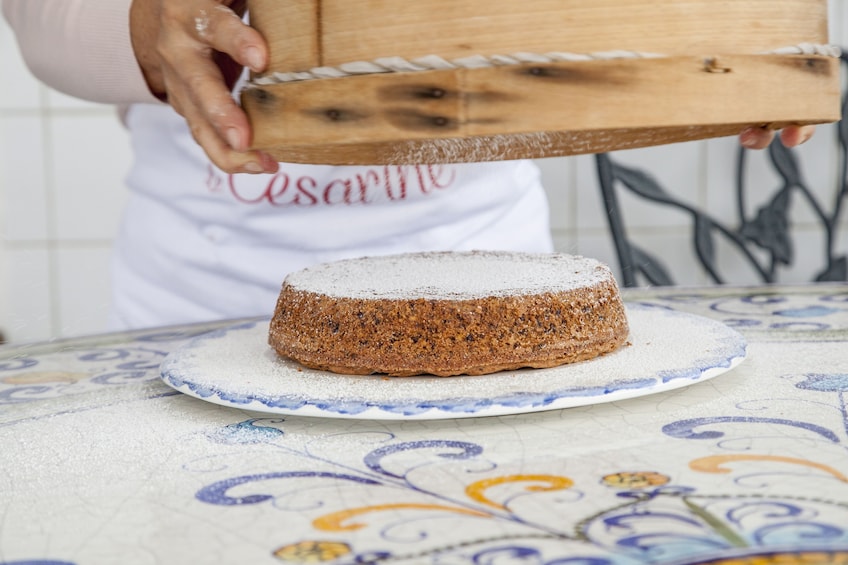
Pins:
x,y
80,47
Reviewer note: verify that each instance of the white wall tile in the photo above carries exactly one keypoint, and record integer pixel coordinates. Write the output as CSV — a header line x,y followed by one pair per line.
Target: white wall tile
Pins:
x,y
90,158
566,242
838,26
589,205
26,293
840,244
22,183
599,245
84,290
557,173
20,90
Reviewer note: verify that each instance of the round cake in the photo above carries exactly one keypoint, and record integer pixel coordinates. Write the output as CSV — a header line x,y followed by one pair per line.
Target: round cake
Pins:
x,y
448,313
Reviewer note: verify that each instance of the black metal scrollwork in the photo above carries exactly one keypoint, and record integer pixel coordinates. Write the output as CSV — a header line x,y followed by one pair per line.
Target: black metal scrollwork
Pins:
x,y
766,233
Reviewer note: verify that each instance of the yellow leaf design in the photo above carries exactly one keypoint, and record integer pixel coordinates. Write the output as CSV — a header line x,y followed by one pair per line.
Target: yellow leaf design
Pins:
x,y
713,463
476,491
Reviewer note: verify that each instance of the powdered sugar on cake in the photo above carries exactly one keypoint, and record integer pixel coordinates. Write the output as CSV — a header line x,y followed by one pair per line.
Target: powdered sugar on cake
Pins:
x,y
450,275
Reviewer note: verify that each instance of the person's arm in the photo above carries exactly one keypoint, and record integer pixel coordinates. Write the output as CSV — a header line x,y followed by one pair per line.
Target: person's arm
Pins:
x,y
80,47
129,51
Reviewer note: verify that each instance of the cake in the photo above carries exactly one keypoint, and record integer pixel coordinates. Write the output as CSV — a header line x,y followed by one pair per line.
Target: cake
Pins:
x,y
448,313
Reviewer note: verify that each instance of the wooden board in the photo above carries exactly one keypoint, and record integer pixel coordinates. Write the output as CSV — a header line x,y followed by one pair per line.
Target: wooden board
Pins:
x,y
314,33
715,82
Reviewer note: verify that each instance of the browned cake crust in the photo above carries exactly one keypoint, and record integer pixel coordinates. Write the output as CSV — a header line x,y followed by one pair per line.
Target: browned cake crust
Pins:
x,y
447,336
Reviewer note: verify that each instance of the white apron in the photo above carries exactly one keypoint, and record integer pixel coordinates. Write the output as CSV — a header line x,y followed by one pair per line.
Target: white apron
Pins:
x,y
198,244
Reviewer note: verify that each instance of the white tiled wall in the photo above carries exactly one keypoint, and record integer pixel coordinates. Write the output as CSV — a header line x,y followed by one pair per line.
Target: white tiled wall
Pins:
x,y
62,164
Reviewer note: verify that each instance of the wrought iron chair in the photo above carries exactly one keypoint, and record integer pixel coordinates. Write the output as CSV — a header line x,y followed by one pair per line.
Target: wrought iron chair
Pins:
x,y
767,231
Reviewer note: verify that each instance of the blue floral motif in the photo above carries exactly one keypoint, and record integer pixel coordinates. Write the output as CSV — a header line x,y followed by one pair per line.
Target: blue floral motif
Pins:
x,y
466,451
665,527
216,493
17,363
120,377
813,313
247,432
837,382
22,394
840,298
685,429
801,326
580,561
27,379
507,553
807,312
742,323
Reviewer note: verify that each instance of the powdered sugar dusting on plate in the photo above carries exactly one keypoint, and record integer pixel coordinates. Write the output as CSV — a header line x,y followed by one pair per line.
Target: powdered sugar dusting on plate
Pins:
x,y
667,350
451,275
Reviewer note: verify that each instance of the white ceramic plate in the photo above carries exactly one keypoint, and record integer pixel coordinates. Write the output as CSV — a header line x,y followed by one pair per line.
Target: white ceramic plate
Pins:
x,y
668,350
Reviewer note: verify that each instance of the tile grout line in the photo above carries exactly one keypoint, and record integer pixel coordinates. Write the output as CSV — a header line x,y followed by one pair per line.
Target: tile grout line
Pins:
x,y
50,212
573,201
703,188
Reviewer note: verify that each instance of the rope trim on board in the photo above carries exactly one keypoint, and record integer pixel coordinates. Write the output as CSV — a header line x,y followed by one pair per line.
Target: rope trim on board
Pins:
x,y
437,63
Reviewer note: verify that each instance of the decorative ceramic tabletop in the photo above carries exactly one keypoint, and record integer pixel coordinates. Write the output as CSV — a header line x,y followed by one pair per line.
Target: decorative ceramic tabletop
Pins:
x,y
103,462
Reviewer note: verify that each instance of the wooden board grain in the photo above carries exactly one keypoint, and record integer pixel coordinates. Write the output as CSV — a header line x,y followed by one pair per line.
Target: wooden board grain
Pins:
x,y
352,31
581,107
712,79
292,29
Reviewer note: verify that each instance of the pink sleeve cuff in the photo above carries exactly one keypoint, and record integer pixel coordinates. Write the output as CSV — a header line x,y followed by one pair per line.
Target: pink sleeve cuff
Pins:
x,y
80,47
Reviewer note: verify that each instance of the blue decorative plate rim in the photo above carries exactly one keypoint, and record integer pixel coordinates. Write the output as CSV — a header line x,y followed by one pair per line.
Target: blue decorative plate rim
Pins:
x,y
721,349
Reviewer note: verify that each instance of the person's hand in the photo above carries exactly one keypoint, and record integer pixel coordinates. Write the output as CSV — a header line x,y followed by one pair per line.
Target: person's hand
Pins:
x,y
191,53
760,138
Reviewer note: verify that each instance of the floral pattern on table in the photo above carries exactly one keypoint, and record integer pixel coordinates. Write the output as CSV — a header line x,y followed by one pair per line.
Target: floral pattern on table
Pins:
x,y
27,374
650,517
802,315
103,463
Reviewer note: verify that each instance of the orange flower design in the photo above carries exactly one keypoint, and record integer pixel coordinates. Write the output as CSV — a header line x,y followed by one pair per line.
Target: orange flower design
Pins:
x,y
635,479
312,551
